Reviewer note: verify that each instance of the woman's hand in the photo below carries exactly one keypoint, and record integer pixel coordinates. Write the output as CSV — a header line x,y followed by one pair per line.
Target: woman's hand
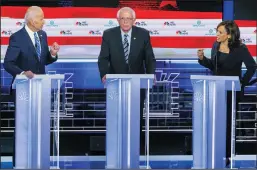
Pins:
x,y
200,54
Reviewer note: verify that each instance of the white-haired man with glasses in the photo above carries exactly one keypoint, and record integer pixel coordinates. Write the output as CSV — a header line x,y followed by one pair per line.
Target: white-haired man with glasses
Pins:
x,y
127,49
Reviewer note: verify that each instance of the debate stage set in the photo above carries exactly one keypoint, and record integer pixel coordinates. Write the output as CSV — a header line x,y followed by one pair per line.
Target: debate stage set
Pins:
x,y
69,119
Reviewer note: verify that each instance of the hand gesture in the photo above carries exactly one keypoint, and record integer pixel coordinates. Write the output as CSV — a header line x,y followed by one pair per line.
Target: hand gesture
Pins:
x,y
54,49
200,54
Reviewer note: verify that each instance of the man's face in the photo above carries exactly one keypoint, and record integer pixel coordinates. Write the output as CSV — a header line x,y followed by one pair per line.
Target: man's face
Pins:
x,y
126,20
38,20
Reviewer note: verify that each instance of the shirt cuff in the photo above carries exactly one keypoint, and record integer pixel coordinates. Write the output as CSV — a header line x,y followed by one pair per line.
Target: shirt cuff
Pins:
x,y
53,56
22,72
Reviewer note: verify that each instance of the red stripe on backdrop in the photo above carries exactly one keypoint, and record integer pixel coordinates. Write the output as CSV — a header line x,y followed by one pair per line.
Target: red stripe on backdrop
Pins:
x,y
163,42
82,12
246,23
183,42
252,49
157,42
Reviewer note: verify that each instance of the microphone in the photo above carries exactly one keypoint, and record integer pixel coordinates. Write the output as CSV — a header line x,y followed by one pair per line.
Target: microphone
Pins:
x,y
216,60
129,68
216,47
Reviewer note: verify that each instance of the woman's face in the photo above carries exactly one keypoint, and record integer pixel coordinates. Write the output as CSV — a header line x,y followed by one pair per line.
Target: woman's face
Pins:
x,y
222,35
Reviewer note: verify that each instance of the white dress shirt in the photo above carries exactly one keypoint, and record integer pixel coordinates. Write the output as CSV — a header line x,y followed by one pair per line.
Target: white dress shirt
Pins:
x,y
32,37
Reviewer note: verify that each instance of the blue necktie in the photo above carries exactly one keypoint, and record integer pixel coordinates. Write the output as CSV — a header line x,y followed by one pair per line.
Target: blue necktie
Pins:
x,y
126,47
37,45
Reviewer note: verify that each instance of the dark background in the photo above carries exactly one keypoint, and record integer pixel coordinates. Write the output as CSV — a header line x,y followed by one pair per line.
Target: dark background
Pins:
x,y
184,5
245,10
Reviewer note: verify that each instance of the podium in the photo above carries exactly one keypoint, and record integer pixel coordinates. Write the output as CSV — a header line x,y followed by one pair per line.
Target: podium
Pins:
x,y
32,119
209,119
123,118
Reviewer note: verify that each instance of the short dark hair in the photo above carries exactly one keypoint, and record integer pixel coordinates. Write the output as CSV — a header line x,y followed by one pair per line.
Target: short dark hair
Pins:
x,y
231,28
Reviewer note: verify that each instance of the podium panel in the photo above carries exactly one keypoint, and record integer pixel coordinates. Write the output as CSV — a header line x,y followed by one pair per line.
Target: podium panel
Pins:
x,y
209,119
32,120
123,119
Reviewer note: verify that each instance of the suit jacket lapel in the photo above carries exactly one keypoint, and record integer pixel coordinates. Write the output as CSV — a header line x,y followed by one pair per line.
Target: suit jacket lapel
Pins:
x,y
120,44
40,36
30,44
132,44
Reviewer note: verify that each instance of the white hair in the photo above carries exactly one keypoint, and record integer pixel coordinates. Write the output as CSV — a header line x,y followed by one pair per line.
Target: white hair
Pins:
x,y
31,13
127,9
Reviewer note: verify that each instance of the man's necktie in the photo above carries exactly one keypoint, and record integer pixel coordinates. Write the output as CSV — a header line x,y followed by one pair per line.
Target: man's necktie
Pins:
x,y
126,47
37,45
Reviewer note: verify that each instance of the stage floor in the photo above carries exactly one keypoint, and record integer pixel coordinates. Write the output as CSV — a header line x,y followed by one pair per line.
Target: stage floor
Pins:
x,y
156,162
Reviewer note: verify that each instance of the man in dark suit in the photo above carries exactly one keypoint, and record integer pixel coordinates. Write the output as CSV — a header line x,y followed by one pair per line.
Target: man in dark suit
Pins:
x,y
28,51
127,49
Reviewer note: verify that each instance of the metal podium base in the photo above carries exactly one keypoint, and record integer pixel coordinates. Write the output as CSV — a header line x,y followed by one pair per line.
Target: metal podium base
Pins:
x,y
202,168
196,168
54,167
144,167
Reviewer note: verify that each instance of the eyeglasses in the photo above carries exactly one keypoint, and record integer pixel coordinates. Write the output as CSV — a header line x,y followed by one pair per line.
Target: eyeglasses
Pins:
x,y
125,19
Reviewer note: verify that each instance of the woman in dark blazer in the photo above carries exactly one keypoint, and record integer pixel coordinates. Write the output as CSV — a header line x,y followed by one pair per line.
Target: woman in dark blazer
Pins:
x,y
227,56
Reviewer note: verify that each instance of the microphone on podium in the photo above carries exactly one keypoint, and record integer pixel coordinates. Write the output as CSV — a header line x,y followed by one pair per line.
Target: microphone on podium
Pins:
x,y
215,50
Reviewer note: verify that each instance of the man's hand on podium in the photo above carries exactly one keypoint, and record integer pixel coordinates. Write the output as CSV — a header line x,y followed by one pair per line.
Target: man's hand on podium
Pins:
x,y
28,74
104,79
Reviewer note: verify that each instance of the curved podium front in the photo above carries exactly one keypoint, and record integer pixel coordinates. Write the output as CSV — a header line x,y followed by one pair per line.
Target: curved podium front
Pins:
x,y
209,119
32,119
123,118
